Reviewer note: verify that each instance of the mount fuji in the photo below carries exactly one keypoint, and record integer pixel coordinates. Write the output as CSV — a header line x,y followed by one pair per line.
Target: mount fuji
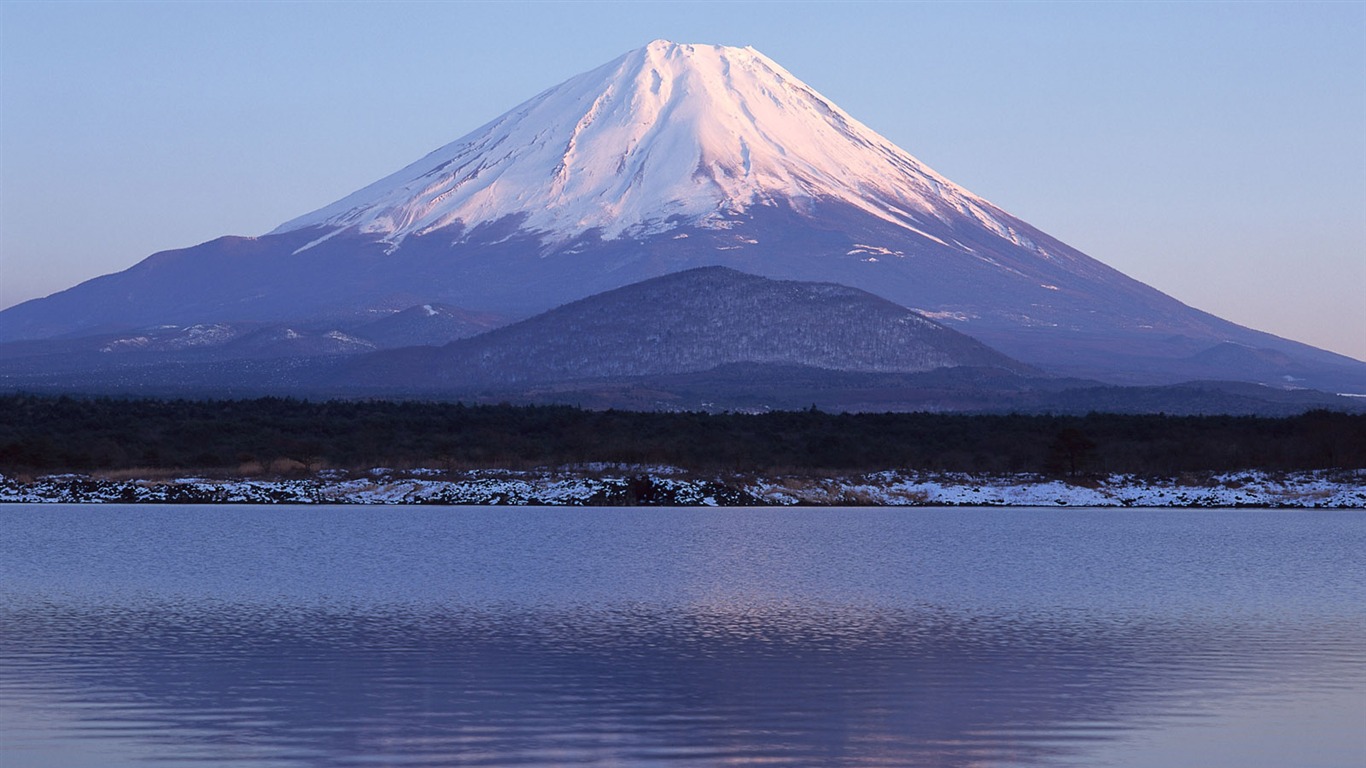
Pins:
x,y
669,158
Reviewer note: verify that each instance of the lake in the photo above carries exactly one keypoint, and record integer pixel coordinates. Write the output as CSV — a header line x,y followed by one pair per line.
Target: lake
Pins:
x,y
420,636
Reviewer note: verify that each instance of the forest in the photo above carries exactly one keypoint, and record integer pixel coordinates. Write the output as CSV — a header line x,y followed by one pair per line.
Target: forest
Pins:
x,y
47,434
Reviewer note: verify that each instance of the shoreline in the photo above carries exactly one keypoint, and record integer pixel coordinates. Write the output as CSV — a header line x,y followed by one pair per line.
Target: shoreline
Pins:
x,y
670,486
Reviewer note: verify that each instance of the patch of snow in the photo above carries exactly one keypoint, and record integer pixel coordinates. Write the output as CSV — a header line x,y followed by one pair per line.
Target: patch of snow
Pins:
x,y
961,317
318,241
613,484
924,234
120,345
876,250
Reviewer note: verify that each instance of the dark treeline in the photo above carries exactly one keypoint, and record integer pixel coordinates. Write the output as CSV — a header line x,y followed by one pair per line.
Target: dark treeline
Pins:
x,y
49,434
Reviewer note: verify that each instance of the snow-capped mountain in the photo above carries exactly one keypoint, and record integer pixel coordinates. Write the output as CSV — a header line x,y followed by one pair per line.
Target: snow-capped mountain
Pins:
x,y
668,158
665,135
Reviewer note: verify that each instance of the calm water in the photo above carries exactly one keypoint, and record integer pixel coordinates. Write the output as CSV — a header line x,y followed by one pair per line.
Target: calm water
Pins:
x,y
249,636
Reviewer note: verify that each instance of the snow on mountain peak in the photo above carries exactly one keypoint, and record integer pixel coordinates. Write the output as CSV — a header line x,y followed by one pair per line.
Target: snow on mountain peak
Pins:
x,y
665,134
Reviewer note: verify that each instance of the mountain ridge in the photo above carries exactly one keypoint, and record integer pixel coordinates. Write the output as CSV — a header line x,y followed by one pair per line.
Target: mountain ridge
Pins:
x,y
685,322
668,158
665,133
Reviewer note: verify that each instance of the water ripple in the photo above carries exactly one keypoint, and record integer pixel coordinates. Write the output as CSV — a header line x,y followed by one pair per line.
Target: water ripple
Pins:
x,y
681,640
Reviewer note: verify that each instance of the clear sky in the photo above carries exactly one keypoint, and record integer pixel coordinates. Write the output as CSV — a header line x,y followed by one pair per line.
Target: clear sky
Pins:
x,y
1216,151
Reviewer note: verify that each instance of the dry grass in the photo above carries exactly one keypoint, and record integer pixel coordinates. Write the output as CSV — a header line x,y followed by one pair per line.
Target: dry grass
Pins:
x,y
153,473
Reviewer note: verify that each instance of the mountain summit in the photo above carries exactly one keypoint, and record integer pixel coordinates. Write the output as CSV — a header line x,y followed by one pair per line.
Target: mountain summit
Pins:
x,y
664,135
673,157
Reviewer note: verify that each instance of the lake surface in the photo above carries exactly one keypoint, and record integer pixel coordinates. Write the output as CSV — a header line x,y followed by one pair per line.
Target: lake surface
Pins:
x,y
359,636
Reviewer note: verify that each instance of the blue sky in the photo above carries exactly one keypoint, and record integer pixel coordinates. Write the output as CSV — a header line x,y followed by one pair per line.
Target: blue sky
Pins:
x,y
1216,151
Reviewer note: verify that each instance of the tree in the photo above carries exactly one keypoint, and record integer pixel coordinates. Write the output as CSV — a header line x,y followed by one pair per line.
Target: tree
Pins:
x,y
1070,451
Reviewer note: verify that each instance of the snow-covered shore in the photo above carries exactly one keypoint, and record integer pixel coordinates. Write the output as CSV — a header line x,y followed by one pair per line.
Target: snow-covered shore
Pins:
x,y
670,486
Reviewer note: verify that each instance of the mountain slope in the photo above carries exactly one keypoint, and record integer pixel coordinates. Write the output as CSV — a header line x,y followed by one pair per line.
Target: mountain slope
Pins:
x,y
426,325
663,134
668,158
686,322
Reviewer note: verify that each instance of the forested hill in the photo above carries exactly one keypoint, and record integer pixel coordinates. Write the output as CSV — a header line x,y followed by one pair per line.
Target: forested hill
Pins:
x,y
52,434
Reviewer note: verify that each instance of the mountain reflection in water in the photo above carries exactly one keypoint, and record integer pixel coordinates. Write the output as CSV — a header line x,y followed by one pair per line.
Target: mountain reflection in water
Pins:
x,y
179,676
632,686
